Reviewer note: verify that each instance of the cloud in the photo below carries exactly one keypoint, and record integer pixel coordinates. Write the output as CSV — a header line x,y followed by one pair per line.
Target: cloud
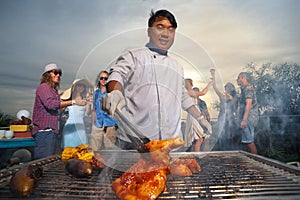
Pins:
x,y
232,33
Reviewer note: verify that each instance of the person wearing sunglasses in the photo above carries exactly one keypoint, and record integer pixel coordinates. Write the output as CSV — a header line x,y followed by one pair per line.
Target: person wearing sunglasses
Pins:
x,y
46,108
103,134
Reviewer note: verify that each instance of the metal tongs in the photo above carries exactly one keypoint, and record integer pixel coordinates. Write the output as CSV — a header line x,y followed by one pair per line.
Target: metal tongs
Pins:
x,y
132,132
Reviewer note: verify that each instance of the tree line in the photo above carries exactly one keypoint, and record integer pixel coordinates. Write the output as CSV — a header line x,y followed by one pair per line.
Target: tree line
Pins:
x,y
277,88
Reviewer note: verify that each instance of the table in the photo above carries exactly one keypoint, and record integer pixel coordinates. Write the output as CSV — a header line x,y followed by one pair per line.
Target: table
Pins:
x,y
17,142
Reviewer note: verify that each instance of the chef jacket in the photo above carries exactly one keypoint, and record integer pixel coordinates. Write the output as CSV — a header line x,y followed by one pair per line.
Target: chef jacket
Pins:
x,y
154,89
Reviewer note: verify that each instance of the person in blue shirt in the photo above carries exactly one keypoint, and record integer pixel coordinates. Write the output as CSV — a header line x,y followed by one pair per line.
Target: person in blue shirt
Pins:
x,y
103,134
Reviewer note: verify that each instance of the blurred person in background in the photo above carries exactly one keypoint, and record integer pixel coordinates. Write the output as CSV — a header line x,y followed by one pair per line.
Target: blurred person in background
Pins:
x,y
248,110
194,131
45,114
74,132
227,127
104,127
202,105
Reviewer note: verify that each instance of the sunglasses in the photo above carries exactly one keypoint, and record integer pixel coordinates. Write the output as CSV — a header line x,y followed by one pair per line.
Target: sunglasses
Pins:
x,y
103,78
55,72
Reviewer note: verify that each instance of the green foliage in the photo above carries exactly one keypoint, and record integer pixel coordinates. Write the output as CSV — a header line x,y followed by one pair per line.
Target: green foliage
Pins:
x,y
277,87
5,119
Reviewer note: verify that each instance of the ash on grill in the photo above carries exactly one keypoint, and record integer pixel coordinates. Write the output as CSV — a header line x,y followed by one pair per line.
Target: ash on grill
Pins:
x,y
224,175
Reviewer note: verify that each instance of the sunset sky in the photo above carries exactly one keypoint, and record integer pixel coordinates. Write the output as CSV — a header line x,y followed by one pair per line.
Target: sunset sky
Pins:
x,y
83,37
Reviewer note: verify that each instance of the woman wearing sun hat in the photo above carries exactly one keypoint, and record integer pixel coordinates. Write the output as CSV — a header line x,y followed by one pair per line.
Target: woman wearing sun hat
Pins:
x,y
45,112
73,133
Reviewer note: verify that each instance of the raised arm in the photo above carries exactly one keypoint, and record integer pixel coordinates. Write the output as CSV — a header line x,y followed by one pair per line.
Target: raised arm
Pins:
x,y
205,90
197,93
213,77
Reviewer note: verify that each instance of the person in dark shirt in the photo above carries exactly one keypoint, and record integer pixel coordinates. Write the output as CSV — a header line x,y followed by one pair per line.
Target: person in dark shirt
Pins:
x,y
202,106
248,110
227,115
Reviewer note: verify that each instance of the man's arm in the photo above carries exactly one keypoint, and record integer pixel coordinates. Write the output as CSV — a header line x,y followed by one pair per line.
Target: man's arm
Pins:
x,y
200,118
113,85
204,91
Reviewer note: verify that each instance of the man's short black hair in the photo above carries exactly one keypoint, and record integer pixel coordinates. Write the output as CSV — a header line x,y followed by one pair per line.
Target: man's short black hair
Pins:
x,y
162,13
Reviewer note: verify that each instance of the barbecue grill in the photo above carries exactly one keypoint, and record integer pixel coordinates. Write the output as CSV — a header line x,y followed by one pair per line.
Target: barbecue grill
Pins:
x,y
224,175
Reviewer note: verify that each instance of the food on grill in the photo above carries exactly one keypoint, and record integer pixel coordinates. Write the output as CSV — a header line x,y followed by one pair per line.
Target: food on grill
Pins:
x,y
73,156
79,168
82,147
146,179
81,152
97,162
23,181
68,153
84,154
184,166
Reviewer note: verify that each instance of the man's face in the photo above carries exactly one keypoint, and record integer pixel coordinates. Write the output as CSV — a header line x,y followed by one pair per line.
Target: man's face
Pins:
x,y
161,34
239,80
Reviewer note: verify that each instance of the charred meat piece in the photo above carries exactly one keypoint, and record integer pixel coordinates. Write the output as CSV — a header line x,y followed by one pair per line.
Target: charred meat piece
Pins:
x,y
79,168
23,182
184,166
147,178
97,162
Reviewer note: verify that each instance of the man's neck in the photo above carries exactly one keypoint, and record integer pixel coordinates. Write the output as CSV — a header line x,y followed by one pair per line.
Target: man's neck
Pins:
x,y
155,49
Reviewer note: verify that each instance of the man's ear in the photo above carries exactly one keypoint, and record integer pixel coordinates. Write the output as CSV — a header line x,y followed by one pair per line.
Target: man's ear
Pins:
x,y
148,31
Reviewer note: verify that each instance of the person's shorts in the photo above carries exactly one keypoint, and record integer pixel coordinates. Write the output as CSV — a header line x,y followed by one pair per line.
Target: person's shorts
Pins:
x,y
248,134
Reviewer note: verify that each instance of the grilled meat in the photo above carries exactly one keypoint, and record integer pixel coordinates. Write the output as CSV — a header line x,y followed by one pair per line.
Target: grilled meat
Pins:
x,y
184,166
97,162
146,179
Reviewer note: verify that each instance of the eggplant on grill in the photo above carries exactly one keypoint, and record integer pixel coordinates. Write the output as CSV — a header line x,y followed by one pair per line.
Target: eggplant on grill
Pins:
x,y
23,182
79,168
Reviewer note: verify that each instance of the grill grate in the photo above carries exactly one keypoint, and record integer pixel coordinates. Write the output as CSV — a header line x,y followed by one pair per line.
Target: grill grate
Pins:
x,y
224,175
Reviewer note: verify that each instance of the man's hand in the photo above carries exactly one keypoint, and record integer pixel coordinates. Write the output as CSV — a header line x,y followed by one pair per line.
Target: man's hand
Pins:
x,y
243,123
111,101
205,124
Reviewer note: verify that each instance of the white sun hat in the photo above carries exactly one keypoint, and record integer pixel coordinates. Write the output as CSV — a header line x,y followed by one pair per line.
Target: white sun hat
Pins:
x,y
67,94
51,67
